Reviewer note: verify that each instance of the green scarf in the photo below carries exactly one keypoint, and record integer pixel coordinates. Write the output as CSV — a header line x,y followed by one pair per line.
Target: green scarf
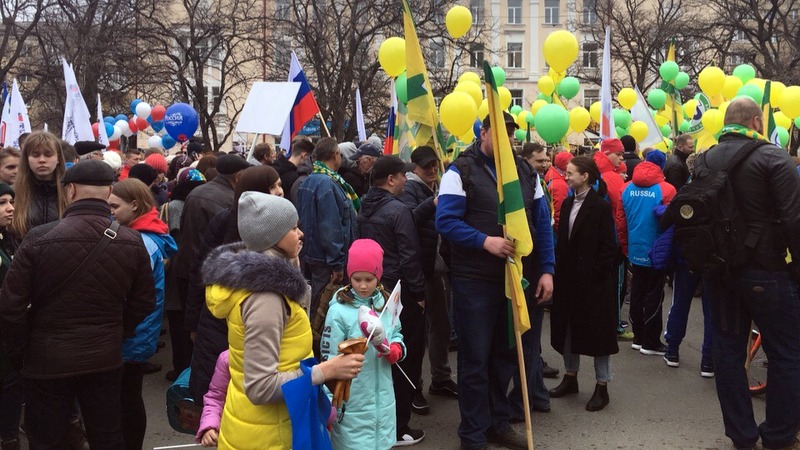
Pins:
x,y
320,167
744,131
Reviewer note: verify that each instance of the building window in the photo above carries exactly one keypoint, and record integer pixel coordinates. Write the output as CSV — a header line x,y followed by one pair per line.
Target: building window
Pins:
x,y
515,11
24,78
476,8
212,97
514,54
283,56
551,11
590,96
737,59
516,97
282,9
739,35
476,55
589,12
590,55
437,55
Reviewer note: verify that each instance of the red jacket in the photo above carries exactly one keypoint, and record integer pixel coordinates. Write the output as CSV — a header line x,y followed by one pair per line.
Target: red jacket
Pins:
x,y
614,183
557,185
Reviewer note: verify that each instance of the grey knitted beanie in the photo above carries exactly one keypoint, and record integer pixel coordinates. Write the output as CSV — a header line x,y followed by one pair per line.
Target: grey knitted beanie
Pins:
x,y
264,219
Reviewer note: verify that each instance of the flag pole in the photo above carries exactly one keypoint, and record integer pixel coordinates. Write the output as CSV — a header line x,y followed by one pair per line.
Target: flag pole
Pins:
x,y
324,125
520,357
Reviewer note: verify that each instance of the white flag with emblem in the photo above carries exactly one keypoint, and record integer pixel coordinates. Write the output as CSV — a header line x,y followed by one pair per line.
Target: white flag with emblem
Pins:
x,y
77,121
394,306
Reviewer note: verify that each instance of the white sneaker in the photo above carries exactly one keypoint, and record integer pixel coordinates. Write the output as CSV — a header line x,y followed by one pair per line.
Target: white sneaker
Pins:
x,y
410,437
636,346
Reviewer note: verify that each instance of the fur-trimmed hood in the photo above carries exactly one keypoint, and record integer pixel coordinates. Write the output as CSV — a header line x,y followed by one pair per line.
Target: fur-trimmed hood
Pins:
x,y
232,271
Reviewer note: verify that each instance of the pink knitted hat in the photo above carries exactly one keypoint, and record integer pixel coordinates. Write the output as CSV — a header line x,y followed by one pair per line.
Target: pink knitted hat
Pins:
x,y
365,255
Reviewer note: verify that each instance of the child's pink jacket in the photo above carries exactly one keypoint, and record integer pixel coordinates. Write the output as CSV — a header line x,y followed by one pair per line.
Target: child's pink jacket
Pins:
x,y
214,400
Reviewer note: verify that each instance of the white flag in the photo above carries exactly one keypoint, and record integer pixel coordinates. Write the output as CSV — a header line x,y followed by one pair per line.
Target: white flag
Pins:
x,y
394,306
607,129
641,112
362,132
15,118
102,136
4,119
77,121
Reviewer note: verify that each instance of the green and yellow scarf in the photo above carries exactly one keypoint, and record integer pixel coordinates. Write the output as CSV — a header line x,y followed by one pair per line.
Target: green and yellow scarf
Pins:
x,y
320,167
735,128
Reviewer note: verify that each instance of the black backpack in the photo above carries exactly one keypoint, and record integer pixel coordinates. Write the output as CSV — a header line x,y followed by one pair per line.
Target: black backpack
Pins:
x,y
709,228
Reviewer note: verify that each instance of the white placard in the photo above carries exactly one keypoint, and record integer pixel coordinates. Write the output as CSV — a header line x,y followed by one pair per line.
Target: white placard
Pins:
x,y
267,107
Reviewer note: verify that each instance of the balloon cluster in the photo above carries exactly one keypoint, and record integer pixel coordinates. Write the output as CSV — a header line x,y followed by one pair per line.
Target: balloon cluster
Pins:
x,y
170,125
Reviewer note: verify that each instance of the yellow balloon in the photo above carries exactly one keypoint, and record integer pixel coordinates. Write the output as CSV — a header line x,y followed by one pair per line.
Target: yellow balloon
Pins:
x,y
536,105
472,89
661,119
546,85
731,86
638,130
790,102
689,108
594,111
775,92
470,76
627,98
522,118
722,108
781,120
469,136
560,50
760,82
711,80
505,97
579,119
483,110
663,146
712,121
458,20
392,56
458,112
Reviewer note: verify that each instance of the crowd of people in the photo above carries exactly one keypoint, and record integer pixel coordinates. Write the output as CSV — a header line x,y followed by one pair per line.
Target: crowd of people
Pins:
x,y
258,265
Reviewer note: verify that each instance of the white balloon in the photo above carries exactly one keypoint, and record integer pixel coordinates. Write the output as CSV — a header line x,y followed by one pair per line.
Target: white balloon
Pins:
x,y
116,135
143,110
154,141
124,127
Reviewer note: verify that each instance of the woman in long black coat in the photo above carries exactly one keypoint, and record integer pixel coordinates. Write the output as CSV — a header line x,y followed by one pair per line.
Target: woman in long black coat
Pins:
x,y
583,316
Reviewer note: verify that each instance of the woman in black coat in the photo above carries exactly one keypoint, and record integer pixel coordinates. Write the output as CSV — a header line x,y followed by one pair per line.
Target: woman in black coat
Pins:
x,y
583,316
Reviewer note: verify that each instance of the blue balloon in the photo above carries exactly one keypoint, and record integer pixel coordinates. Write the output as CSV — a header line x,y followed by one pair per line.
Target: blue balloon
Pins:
x,y
120,117
167,141
181,121
135,102
157,125
476,128
109,119
149,120
109,129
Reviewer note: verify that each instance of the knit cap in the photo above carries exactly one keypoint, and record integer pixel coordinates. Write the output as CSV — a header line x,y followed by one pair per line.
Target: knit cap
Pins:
x,y
264,219
157,161
562,159
657,157
113,160
365,255
609,146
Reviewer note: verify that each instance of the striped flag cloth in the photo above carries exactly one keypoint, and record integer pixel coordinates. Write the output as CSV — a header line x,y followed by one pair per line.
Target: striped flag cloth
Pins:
x,y
607,129
304,109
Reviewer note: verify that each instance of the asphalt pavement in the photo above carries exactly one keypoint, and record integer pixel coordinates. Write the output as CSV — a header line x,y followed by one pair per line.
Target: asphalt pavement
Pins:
x,y
652,406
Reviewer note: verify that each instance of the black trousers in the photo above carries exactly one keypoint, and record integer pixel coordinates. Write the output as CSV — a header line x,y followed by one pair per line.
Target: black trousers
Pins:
x,y
49,404
134,415
647,296
182,345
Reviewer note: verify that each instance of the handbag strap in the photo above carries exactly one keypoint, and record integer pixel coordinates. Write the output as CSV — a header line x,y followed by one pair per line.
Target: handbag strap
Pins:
x,y
109,234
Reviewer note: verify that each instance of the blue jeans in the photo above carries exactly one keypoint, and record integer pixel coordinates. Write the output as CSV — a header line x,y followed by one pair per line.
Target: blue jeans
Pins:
x,y
572,362
685,285
532,350
485,358
770,300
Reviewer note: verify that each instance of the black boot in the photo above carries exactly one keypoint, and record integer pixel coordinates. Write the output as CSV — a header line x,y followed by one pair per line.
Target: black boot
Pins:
x,y
569,385
600,398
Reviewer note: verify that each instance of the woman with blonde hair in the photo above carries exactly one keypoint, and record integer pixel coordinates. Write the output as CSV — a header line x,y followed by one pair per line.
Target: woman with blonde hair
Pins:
x,y
40,198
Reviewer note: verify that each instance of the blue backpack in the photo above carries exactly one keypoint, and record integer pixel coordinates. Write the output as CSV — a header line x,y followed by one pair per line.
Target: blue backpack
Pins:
x,y
182,412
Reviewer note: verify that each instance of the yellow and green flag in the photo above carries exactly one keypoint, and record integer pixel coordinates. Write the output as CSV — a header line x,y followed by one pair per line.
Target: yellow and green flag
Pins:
x,y
769,120
511,208
673,96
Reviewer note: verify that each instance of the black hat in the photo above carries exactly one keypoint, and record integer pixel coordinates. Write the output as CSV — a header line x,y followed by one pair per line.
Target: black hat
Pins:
x,y
368,149
389,165
423,156
86,147
6,189
143,172
194,148
91,173
509,120
229,164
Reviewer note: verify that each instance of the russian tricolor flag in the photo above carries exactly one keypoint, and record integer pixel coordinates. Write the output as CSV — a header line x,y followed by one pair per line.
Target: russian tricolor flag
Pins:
x,y
388,144
304,109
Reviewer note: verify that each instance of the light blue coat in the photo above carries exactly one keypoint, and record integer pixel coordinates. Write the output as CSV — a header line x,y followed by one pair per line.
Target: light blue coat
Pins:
x,y
369,420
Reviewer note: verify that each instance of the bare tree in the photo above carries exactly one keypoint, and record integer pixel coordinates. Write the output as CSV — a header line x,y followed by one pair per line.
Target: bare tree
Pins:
x,y
18,19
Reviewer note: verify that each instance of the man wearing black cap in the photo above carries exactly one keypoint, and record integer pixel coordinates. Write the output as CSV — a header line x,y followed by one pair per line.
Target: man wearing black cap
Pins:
x,y
358,175
89,150
202,204
71,339
388,221
466,215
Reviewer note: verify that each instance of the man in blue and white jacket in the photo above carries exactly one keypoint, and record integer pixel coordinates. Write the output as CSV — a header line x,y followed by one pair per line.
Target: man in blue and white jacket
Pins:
x,y
466,215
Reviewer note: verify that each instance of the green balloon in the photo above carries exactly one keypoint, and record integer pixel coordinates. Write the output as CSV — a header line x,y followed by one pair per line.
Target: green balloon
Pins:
x,y
547,98
515,110
666,130
621,131
401,86
499,75
682,80
752,91
685,125
552,123
622,118
657,98
669,143
783,135
669,70
744,72
797,122
568,87
529,119
520,134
